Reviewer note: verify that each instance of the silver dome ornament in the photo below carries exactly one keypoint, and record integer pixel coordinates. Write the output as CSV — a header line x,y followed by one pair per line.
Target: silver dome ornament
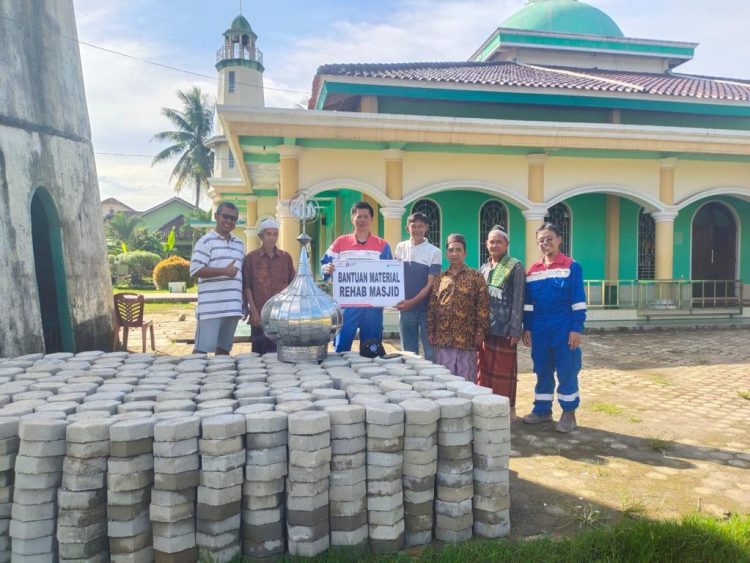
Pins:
x,y
302,319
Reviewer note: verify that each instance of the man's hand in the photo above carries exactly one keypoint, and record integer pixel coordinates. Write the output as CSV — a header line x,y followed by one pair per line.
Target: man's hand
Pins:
x,y
253,318
328,269
404,305
432,340
514,341
574,340
232,269
526,338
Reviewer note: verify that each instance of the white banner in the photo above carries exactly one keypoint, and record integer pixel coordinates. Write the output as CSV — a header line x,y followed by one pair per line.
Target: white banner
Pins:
x,y
368,283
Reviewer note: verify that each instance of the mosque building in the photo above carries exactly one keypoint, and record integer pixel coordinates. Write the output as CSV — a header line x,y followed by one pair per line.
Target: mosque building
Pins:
x,y
556,116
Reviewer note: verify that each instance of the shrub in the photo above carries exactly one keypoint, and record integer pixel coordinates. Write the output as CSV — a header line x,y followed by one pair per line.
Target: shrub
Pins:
x,y
172,269
140,264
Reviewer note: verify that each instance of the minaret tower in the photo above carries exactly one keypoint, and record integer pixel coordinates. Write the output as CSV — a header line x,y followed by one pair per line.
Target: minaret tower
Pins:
x,y
240,66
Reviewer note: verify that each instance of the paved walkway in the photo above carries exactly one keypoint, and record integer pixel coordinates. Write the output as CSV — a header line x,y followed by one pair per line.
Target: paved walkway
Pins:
x,y
664,430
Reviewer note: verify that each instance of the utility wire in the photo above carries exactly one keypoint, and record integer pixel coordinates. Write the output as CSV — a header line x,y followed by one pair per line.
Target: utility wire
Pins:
x,y
154,63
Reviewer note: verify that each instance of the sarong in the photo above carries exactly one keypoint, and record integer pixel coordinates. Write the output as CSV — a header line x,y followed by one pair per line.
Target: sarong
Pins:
x,y
261,343
498,367
461,362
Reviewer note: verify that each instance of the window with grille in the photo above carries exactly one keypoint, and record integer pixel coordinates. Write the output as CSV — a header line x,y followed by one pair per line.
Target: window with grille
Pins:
x,y
231,86
431,210
230,162
560,215
646,245
492,213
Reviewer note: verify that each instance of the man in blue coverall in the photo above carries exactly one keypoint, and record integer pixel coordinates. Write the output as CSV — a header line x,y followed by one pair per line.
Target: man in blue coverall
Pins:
x,y
554,314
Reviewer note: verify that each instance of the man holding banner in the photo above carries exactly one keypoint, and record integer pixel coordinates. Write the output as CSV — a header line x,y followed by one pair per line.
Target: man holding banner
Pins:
x,y
360,245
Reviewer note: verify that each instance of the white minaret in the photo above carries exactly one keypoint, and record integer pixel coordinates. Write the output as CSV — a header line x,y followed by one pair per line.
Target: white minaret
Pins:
x,y
240,66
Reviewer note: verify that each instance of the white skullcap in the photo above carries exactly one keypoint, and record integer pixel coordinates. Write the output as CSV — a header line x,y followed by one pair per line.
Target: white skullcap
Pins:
x,y
267,224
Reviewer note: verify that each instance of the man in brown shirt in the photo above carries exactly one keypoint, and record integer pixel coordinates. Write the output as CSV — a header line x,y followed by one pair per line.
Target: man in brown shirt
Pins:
x,y
265,272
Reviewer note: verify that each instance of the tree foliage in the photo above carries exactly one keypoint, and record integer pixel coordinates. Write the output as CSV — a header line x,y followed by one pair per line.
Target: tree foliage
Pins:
x,y
193,127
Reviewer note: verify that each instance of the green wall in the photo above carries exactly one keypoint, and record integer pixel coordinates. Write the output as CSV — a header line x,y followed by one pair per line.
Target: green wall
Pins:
x,y
158,218
628,239
683,234
588,220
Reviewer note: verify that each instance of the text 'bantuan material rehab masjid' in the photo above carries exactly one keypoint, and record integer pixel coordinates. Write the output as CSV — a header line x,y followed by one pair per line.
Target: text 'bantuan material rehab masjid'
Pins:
x,y
556,116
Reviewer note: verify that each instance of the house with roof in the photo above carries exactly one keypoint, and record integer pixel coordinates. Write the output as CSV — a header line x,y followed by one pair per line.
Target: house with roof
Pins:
x,y
556,116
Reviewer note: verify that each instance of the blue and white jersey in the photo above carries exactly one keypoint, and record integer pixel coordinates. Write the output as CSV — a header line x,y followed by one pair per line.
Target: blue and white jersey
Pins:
x,y
555,296
420,261
220,296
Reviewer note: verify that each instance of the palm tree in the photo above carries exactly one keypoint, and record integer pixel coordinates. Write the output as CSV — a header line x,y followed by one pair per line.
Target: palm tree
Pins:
x,y
121,227
194,125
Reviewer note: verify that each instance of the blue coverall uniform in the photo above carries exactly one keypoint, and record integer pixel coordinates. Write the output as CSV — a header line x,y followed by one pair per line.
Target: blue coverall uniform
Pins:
x,y
555,306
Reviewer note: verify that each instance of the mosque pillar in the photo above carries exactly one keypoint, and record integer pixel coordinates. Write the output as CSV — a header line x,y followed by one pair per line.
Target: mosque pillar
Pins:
x,y
394,191
664,221
289,227
612,238
535,214
251,226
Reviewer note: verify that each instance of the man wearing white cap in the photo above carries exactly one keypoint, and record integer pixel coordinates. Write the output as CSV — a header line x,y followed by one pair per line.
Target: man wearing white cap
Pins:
x,y
265,272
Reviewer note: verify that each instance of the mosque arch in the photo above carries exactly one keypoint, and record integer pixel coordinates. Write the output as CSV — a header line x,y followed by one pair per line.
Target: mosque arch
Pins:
x,y
491,189
49,268
715,230
647,201
560,215
736,191
493,212
349,184
431,209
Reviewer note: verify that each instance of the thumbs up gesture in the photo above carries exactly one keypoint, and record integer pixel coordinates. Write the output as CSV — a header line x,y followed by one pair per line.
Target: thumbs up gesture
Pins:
x,y
231,270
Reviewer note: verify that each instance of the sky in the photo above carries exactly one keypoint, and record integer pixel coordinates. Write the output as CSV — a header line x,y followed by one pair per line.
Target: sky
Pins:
x,y
125,95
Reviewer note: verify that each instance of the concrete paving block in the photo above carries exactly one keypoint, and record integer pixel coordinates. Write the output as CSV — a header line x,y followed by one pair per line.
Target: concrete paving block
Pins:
x,y
312,459
217,527
88,517
453,509
223,427
27,464
454,523
91,552
462,424
492,531
385,430
420,430
262,502
308,533
223,462
494,450
175,544
418,497
172,498
498,423
413,539
33,512
455,438
347,509
348,523
223,446
131,448
392,532
221,479
450,536
492,517
352,538
176,429
259,473
454,479
349,446
266,440
309,423
129,528
352,476
344,462
295,406
420,443
81,534
345,493
175,465
109,406
9,445
385,517
217,497
384,487
177,481
173,529
81,482
302,489
131,430
37,480
309,442
420,456
384,473
309,549
42,429
491,463
88,450
491,436
83,500
385,503
347,431
262,517
31,530
414,483
263,549
267,456
130,465
455,466
455,494
384,414
492,504
491,489
389,445
174,449
128,498
454,407
217,513
28,547
307,503
308,474
490,406
129,482
382,459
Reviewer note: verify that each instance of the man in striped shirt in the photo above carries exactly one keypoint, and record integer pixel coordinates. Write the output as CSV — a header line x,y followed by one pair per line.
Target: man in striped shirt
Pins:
x,y
217,262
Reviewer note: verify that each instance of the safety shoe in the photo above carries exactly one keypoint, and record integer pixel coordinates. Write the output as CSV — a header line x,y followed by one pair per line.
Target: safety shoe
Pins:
x,y
534,418
567,422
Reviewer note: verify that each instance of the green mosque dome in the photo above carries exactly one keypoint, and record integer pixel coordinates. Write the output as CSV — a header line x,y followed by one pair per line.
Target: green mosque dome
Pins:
x,y
240,25
563,16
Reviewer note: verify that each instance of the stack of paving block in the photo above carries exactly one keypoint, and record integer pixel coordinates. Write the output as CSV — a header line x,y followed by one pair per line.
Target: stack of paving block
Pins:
x,y
263,489
491,421
176,466
348,480
8,451
307,485
420,465
82,497
130,474
455,476
222,449
385,463
38,473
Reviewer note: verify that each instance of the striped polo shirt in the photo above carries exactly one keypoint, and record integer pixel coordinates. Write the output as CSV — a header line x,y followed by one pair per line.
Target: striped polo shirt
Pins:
x,y
420,262
220,296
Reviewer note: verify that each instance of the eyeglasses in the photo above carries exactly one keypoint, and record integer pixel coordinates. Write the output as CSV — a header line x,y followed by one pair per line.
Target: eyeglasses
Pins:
x,y
545,240
228,217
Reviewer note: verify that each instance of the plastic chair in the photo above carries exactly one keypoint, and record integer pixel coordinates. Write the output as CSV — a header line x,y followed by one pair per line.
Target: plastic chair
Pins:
x,y
129,314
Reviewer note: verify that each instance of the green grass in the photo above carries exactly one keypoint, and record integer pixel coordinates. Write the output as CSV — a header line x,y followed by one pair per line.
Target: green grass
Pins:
x,y
744,394
693,538
657,444
658,379
607,408
635,419
154,307
153,291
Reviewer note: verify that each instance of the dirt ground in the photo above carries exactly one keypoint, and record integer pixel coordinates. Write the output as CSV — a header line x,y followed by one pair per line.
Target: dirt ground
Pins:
x,y
664,429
